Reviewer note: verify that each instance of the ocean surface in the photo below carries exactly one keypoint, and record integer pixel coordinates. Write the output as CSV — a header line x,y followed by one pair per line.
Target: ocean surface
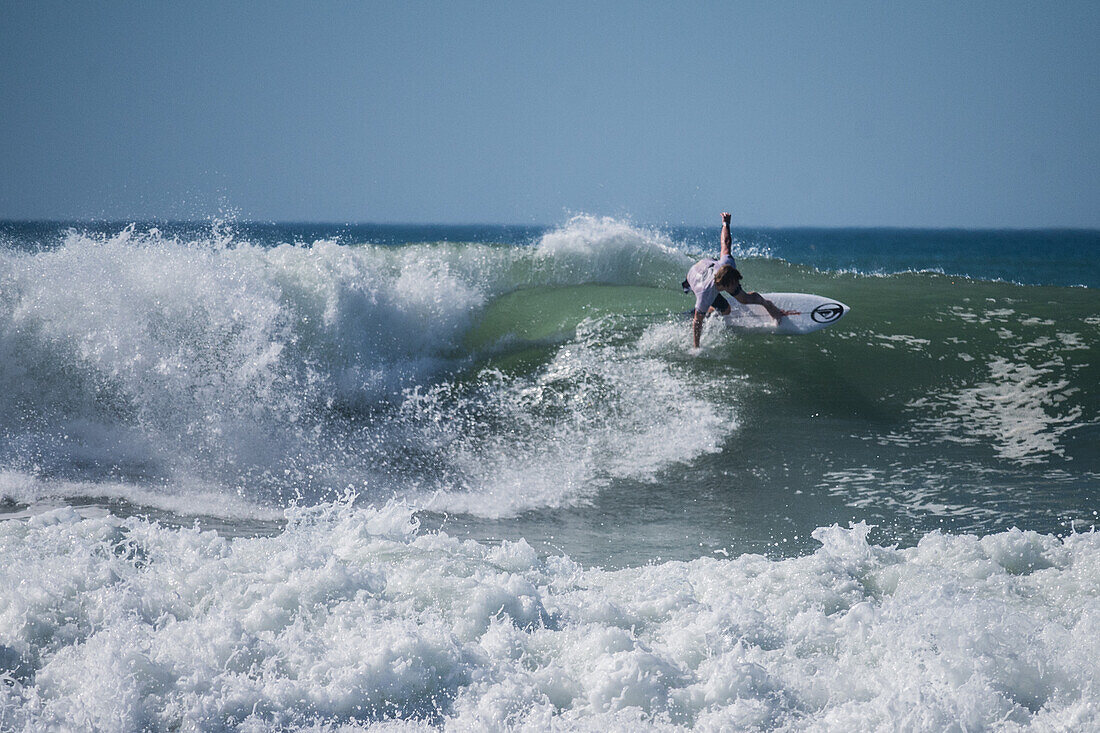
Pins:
x,y
267,477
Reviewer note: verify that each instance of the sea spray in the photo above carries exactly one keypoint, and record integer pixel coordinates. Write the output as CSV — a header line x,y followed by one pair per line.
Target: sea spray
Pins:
x,y
276,372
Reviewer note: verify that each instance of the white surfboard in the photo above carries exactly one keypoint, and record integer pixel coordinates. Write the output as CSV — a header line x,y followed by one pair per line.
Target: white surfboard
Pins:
x,y
808,313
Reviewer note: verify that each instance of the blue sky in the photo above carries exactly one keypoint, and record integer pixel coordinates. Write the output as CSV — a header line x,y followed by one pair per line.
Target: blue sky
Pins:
x,y
968,114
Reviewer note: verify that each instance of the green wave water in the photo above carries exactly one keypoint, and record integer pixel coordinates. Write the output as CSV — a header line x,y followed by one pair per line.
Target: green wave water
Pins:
x,y
937,403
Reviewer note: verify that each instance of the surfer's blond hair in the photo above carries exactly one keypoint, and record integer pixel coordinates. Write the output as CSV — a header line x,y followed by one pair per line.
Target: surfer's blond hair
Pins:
x,y
726,276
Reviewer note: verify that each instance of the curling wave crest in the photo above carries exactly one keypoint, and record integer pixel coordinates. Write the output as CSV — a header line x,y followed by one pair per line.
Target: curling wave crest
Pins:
x,y
287,373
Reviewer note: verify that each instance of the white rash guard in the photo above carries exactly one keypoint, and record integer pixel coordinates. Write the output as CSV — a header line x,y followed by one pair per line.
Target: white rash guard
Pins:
x,y
701,279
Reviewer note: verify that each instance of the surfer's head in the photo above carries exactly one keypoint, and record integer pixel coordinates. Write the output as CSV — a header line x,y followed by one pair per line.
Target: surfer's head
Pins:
x,y
727,277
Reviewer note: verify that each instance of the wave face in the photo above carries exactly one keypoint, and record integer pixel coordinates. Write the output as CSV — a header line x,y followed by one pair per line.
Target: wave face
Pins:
x,y
353,617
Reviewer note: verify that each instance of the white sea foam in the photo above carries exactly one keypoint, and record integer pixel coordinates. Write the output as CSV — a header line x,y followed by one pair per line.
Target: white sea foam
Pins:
x,y
274,374
161,360
910,342
185,502
599,410
1017,411
602,249
352,618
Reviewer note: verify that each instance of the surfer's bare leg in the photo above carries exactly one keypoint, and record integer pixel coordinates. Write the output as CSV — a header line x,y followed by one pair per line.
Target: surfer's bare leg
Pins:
x,y
727,238
758,299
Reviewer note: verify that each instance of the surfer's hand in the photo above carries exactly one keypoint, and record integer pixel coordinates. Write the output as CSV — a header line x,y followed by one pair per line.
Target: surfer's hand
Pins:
x,y
725,217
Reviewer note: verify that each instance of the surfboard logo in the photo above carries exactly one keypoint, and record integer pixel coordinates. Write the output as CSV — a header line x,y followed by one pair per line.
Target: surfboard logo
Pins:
x,y
827,312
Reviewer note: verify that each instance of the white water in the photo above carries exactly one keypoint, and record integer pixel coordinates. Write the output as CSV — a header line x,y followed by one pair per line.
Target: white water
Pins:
x,y
272,374
352,616
558,437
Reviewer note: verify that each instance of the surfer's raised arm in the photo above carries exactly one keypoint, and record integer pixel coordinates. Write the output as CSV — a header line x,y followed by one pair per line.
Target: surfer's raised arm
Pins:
x,y
727,238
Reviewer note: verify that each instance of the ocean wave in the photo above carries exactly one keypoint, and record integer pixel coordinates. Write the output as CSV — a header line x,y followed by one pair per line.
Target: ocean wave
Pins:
x,y
489,378
353,617
285,372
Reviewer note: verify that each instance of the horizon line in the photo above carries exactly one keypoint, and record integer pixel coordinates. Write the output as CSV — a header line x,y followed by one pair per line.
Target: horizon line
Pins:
x,y
125,221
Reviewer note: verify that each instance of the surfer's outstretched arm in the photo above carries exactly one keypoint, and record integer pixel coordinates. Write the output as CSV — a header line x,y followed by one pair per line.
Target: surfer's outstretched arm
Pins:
x,y
758,299
696,328
727,238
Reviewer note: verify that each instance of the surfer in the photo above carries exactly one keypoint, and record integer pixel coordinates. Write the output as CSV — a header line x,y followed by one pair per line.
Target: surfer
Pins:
x,y
707,277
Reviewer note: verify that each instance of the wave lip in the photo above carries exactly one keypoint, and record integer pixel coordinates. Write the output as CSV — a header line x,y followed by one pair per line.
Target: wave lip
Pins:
x,y
354,617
